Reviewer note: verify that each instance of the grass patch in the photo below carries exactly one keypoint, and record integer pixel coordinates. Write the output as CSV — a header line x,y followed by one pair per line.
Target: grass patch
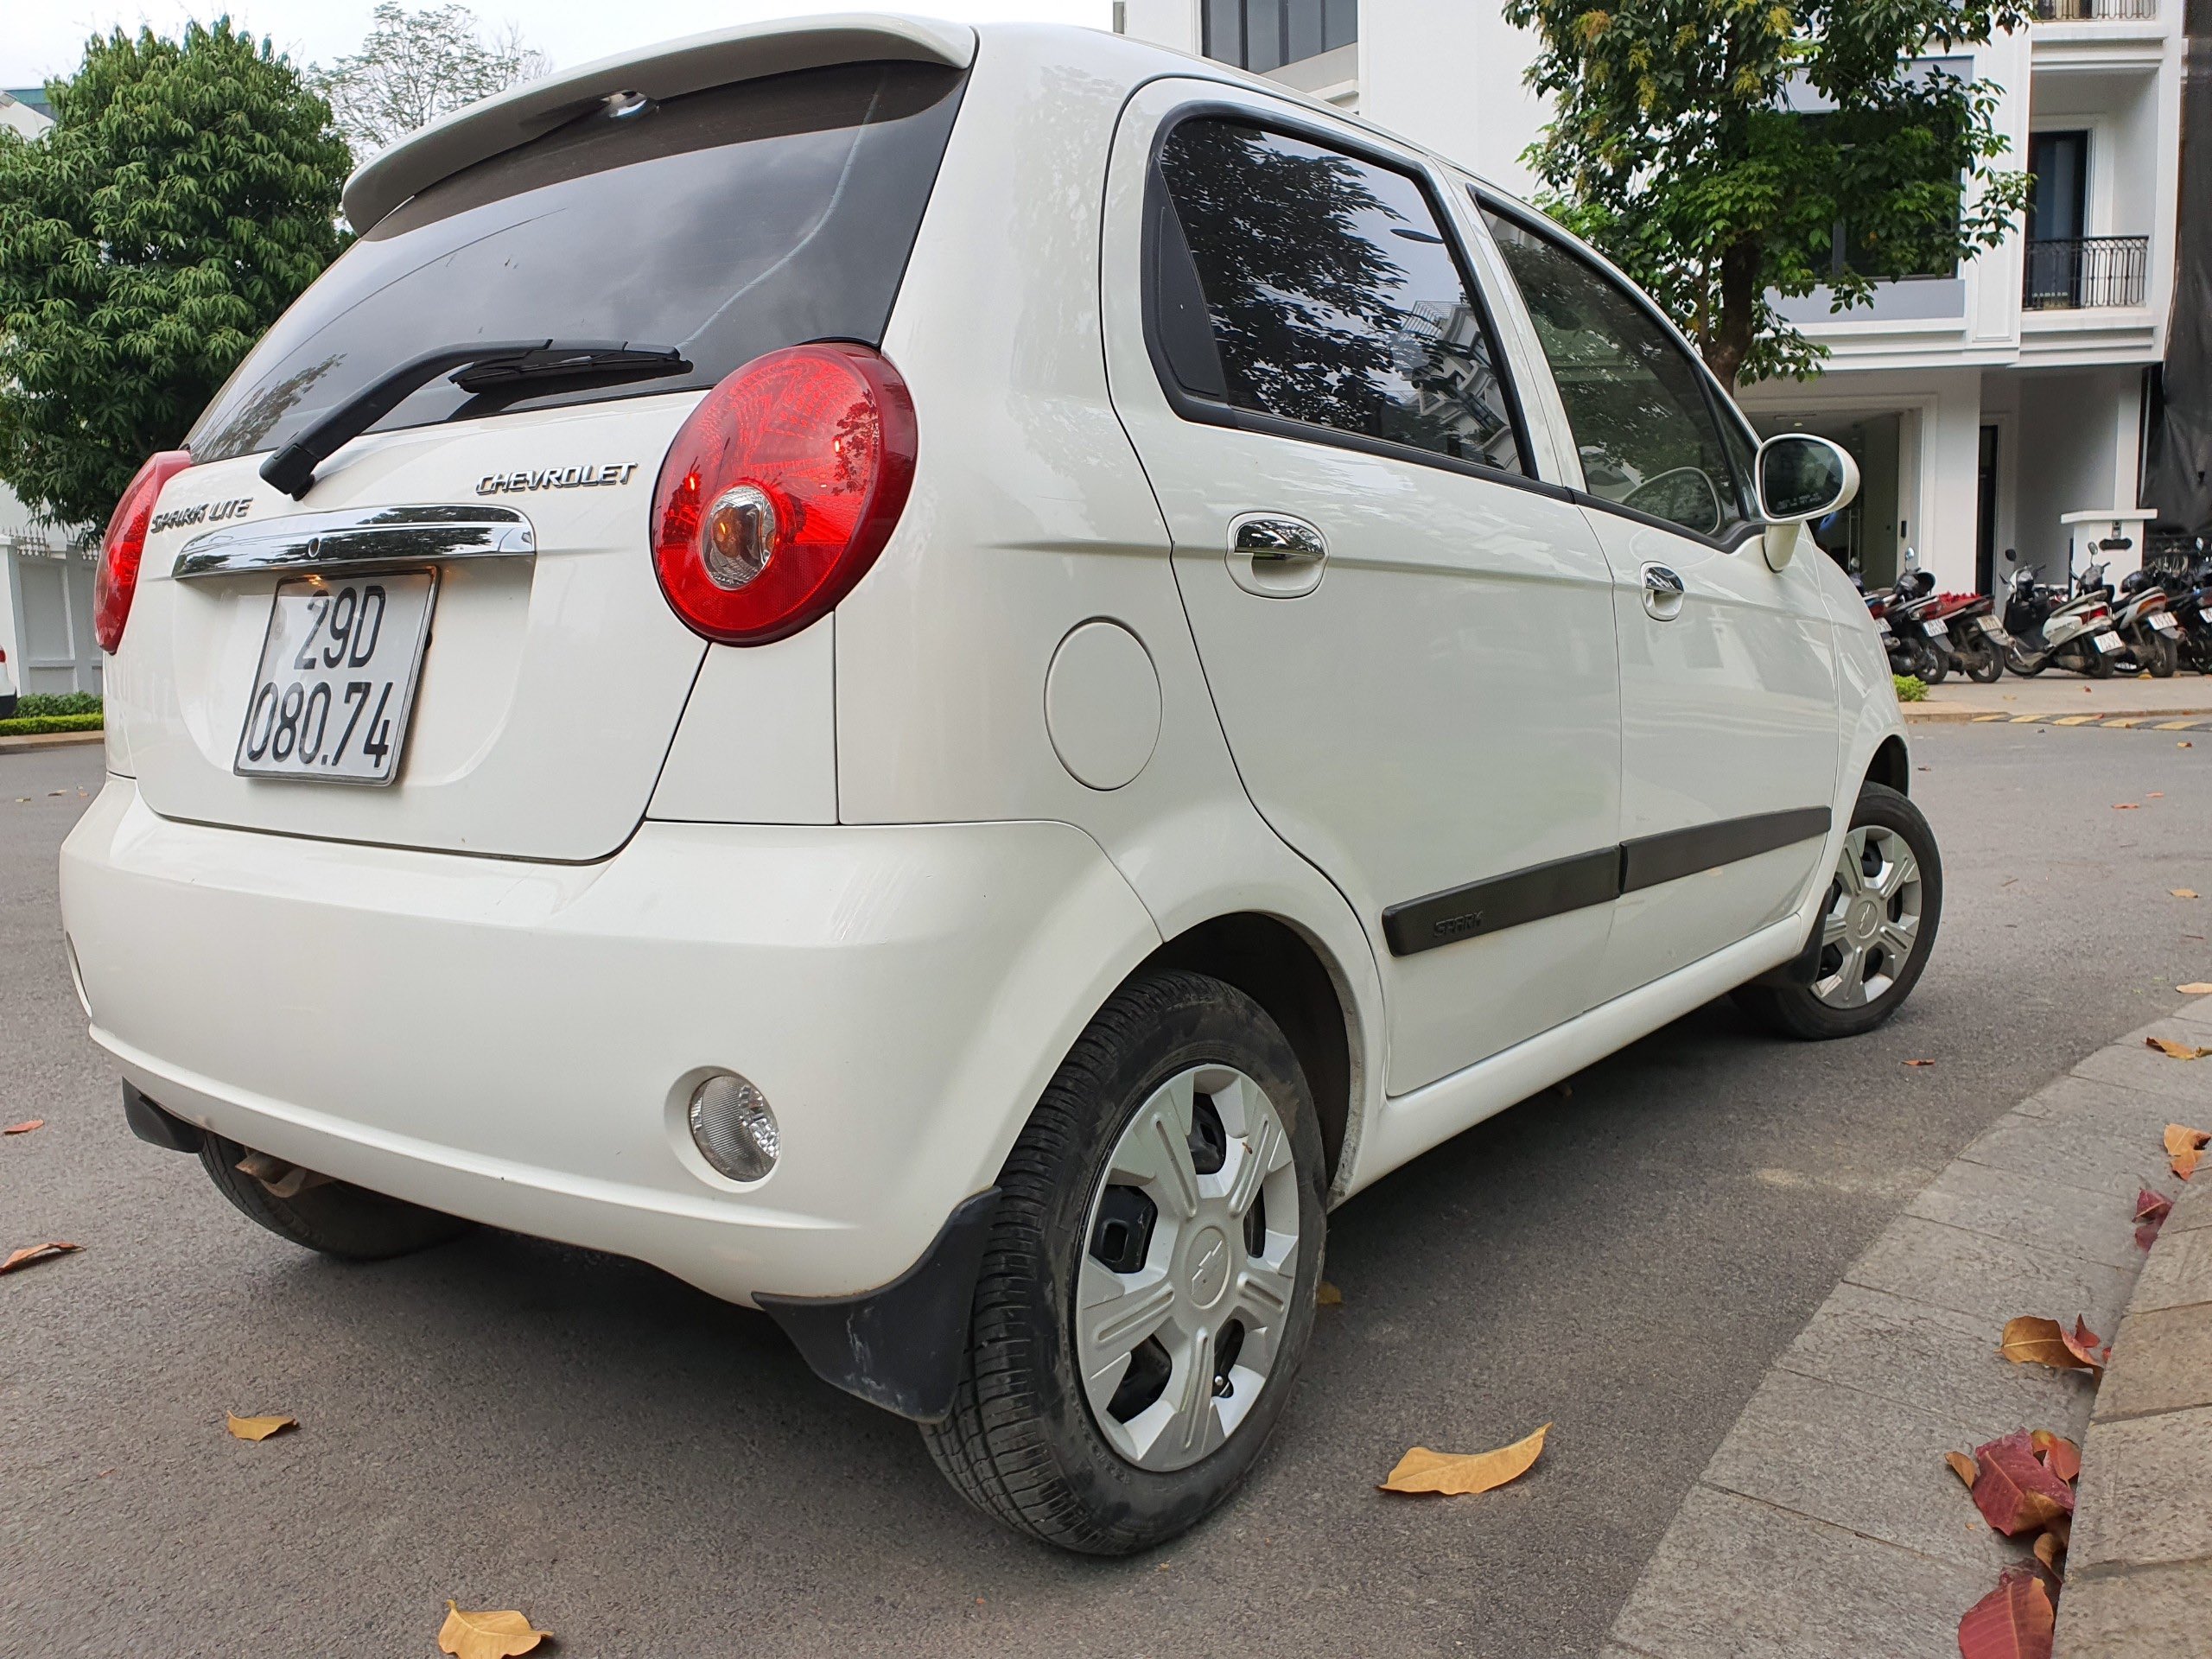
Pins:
x,y
1910,688
44,705
39,725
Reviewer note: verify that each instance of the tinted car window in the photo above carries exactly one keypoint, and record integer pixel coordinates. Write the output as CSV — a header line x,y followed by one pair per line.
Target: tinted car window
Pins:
x,y
1331,292
725,224
1637,401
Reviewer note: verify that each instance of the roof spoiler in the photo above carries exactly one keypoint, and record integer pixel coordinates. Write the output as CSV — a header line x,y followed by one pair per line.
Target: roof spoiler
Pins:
x,y
718,58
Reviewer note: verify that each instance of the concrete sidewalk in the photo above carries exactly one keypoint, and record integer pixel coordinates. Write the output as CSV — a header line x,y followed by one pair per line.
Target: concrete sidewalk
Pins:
x,y
1828,1526
2062,695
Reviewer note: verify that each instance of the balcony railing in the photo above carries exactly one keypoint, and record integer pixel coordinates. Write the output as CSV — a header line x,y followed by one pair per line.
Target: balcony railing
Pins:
x,y
2077,272
2089,11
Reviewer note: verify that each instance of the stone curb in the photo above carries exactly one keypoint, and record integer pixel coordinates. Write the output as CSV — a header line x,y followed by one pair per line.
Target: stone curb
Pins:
x,y
48,740
1826,1525
2138,1576
2184,720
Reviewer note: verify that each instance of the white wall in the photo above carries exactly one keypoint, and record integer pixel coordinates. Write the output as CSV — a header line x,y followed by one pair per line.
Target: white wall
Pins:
x,y
2080,435
1173,23
1450,78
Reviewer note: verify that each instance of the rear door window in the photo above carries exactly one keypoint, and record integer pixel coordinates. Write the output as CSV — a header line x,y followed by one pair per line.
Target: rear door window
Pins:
x,y
1644,423
725,224
1329,293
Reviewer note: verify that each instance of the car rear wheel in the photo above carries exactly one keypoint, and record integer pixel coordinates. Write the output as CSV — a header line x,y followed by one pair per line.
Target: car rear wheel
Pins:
x,y
1885,900
1148,1289
334,1218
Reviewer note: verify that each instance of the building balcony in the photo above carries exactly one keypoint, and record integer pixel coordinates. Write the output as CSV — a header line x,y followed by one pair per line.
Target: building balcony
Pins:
x,y
2096,11
2077,273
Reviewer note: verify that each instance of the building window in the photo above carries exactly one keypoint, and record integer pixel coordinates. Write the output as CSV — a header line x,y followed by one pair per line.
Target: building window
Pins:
x,y
1264,35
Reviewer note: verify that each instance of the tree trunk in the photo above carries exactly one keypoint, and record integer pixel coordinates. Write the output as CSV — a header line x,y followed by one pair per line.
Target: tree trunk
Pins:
x,y
1730,343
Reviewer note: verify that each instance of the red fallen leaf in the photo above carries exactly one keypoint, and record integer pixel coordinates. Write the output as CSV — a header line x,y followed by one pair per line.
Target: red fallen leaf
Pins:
x,y
2081,1342
1920,1062
25,1127
2060,1455
31,1254
2014,1621
2014,1490
2151,1210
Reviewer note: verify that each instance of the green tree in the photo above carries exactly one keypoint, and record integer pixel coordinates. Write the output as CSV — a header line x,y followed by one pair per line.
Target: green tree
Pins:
x,y
185,194
417,66
1725,151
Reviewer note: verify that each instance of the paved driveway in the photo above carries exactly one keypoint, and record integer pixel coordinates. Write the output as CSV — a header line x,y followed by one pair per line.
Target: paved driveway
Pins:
x,y
651,1473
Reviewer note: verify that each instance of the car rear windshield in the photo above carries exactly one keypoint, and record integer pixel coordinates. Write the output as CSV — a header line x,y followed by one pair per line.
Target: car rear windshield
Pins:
x,y
724,223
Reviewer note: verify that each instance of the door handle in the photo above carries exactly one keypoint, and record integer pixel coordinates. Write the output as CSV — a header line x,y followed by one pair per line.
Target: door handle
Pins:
x,y
1276,555
1663,593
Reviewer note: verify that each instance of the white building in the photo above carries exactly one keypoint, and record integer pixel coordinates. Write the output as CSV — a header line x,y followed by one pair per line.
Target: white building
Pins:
x,y
1984,405
45,583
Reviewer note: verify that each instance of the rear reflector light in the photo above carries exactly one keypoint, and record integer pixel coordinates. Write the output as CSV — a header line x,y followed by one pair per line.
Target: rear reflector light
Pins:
x,y
780,489
117,581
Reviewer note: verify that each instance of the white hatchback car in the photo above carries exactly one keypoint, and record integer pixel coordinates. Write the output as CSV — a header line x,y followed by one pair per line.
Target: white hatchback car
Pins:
x,y
945,680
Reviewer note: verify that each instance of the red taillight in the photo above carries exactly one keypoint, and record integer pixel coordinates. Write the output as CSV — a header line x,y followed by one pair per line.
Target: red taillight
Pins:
x,y
117,581
780,489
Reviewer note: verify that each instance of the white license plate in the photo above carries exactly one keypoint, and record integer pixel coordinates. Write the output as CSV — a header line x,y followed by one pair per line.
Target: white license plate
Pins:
x,y
1934,630
337,678
2107,643
1885,628
2163,622
1988,625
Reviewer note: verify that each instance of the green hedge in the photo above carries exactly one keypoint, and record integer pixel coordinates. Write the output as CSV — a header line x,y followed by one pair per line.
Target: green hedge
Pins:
x,y
45,705
1910,688
38,724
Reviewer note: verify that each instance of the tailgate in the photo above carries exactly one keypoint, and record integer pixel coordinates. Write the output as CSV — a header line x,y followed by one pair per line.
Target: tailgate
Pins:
x,y
554,674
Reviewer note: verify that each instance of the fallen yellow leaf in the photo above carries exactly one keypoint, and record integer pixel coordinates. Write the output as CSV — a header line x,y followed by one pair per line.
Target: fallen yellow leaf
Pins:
x,y
1328,1296
25,1127
487,1636
31,1254
2174,1051
1423,1471
2196,987
256,1428
1964,1467
2184,1146
2183,892
2029,1340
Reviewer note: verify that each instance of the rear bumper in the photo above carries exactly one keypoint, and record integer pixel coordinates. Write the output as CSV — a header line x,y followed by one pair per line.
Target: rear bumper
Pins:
x,y
515,1042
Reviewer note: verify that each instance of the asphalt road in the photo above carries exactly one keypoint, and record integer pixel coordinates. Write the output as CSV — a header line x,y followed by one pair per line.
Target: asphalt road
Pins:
x,y
649,1473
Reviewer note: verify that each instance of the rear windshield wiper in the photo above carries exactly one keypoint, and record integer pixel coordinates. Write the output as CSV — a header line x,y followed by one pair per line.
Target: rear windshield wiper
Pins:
x,y
523,367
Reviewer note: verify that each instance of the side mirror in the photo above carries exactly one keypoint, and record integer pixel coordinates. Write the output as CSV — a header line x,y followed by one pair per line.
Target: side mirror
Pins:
x,y
1800,477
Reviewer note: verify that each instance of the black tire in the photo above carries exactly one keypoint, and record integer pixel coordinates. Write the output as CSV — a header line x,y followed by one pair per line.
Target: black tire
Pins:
x,y
1931,664
1983,663
2026,666
334,1218
1021,1444
1794,1009
2159,655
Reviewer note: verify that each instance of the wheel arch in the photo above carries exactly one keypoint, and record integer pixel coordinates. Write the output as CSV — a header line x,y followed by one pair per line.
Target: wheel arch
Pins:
x,y
1291,975
1891,766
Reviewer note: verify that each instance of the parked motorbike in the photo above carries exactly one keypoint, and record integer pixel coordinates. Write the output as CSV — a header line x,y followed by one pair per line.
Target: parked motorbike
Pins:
x,y
2189,602
1977,639
2146,620
1905,637
2048,625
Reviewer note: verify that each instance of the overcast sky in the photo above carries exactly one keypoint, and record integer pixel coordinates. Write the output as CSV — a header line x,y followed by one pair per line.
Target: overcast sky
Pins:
x,y
43,39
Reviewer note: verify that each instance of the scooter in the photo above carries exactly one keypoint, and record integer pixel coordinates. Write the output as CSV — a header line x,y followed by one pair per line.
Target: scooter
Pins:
x,y
1904,638
2189,602
2048,626
2146,620
1977,638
